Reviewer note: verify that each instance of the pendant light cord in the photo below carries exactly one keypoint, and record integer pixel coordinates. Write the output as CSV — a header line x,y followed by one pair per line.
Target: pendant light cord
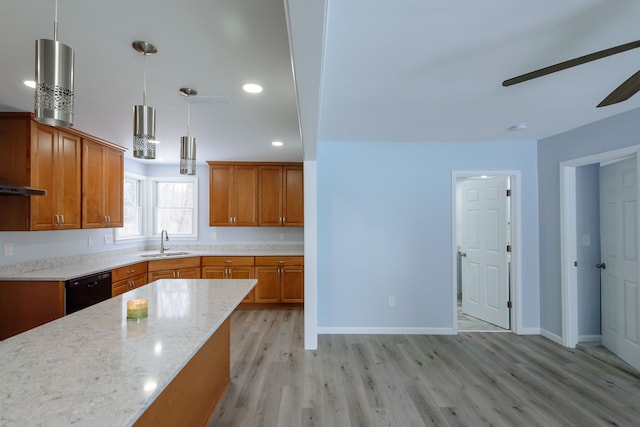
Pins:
x,y
55,21
188,116
144,81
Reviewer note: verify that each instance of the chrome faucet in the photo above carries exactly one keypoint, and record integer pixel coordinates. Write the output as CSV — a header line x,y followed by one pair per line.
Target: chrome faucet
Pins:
x,y
164,234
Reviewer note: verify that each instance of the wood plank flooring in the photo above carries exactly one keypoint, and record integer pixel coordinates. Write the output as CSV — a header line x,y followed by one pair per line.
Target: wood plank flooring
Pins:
x,y
471,379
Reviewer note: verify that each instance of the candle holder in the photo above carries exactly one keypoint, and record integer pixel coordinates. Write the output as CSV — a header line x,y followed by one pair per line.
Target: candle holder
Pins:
x,y
137,308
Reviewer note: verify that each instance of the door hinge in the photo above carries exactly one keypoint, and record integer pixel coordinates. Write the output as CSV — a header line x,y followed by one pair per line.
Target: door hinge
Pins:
x,y
508,248
575,263
509,304
508,193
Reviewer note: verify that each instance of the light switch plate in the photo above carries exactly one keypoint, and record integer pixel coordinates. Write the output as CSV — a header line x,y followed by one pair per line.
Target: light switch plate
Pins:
x,y
8,249
392,301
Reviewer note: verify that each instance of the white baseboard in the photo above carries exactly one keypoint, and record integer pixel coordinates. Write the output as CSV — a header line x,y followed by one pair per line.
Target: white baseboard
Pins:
x,y
590,338
384,331
549,335
528,331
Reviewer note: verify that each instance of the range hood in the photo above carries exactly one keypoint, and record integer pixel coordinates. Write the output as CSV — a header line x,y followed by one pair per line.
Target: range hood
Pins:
x,y
8,187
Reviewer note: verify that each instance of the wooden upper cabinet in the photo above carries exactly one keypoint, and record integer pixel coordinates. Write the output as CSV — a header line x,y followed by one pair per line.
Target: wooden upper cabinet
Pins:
x,y
233,190
251,194
55,168
281,195
102,185
44,158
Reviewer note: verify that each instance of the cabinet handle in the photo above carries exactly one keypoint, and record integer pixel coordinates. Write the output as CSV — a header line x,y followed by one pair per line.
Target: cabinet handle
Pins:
x,y
130,271
56,220
230,220
108,220
178,274
62,220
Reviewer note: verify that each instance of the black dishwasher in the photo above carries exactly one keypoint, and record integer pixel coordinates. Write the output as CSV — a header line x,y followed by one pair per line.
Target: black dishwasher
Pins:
x,y
87,290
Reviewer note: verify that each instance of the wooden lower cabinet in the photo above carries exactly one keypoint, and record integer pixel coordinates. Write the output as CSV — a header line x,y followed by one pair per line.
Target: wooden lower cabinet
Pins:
x,y
233,267
175,268
27,304
129,277
280,279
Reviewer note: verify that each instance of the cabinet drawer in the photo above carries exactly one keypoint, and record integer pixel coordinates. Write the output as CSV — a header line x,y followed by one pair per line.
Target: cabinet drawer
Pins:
x,y
126,285
128,271
175,263
227,261
279,260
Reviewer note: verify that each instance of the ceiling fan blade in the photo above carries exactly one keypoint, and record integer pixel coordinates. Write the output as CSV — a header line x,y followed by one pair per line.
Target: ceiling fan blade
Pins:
x,y
623,92
571,63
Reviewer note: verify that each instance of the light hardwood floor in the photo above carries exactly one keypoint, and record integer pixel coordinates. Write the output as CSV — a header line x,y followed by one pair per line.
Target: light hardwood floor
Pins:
x,y
471,379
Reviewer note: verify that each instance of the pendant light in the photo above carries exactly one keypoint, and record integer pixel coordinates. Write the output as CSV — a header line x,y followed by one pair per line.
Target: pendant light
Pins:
x,y
144,116
188,143
54,80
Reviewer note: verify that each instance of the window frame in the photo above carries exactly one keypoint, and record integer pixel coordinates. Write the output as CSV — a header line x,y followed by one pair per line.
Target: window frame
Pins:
x,y
142,193
152,199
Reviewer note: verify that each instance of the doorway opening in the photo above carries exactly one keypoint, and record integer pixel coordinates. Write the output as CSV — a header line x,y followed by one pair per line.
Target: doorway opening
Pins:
x,y
575,307
486,258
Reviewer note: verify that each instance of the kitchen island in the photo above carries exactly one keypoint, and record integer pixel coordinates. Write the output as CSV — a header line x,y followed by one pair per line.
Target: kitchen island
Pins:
x,y
96,367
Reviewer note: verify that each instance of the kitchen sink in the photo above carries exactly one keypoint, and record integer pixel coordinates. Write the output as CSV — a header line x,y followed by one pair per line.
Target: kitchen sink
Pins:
x,y
164,255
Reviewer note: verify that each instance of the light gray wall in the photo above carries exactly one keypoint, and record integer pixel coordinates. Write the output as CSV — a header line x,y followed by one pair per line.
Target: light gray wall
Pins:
x,y
619,131
385,229
35,245
588,254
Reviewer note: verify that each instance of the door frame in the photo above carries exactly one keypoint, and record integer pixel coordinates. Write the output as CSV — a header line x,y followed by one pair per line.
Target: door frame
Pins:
x,y
569,236
515,284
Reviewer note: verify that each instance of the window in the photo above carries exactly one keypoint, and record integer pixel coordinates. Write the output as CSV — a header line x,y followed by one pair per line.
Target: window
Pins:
x,y
175,207
133,225
155,204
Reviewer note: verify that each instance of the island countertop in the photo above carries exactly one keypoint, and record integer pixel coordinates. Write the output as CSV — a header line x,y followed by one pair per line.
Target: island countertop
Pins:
x,y
96,367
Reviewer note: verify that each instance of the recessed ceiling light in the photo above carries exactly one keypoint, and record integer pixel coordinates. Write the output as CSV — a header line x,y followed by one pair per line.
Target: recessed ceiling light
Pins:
x,y
277,143
252,87
517,127
30,83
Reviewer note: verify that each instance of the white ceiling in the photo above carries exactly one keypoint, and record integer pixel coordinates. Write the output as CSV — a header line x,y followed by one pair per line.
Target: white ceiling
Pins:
x,y
403,70
213,46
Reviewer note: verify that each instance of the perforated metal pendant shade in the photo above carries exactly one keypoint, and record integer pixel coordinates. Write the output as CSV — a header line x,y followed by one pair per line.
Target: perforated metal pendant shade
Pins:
x,y
53,102
144,132
187,155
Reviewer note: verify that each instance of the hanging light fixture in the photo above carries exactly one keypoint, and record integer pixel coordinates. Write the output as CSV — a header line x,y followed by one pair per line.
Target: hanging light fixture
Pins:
x,y
188,143
144,116
54,80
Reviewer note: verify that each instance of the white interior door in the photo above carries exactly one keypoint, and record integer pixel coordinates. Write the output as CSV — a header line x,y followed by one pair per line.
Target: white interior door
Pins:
x,y
620,294
485,272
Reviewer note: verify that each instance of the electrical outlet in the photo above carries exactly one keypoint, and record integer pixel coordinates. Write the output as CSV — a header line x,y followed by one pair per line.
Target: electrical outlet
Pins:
x,y
90,241
8,249
214,235
282,235
392,301
108,239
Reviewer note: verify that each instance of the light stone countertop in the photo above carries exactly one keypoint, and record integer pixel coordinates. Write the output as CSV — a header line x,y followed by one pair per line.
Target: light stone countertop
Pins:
x,y
83,266
95,367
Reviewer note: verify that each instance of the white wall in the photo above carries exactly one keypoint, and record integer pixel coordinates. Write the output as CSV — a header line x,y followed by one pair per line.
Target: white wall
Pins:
x,y
385,227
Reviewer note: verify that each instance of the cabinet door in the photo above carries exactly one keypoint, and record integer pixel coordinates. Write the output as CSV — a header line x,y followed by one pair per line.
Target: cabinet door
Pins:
x,y
214,272
220,190
268,288
270,196
188,273
244,273
292,284
68,181
44,148
114,181
245,193
293,196
161,274
56,168
93,185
